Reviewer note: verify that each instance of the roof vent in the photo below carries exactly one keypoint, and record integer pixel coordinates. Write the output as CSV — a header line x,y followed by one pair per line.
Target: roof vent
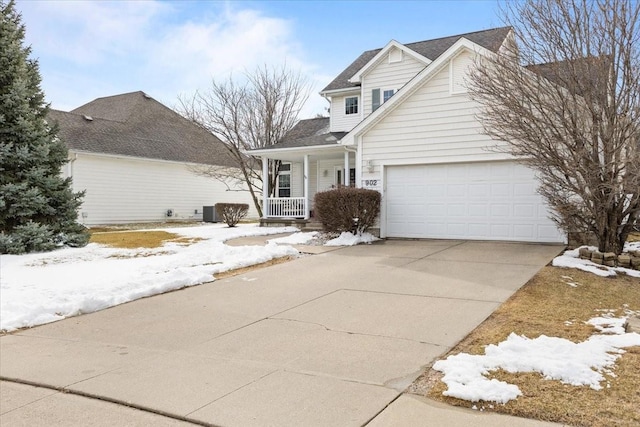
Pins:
x,y
146,96
88,118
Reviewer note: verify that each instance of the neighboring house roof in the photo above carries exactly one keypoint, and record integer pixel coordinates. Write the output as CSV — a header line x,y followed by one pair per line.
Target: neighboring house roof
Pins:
x,y
309,133
136,125
576,75
431,49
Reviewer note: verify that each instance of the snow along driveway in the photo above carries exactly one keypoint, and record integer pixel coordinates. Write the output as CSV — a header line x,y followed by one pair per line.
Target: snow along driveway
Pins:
x,y
45,287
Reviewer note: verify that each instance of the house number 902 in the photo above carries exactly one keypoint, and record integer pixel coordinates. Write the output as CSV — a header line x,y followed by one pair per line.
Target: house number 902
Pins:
x,y
370,182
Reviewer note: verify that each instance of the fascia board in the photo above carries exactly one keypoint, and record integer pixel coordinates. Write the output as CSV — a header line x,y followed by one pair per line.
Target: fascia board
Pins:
x,y
413,85
261,152
341,91
357,77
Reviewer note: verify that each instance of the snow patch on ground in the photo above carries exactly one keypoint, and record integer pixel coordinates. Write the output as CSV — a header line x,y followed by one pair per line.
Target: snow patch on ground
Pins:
x,y
578,364
350,239
608,325
45,287
571,259
295,238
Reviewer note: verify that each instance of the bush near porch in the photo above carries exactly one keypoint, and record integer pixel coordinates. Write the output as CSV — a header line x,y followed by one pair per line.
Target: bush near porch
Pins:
x,y
232,213
347,209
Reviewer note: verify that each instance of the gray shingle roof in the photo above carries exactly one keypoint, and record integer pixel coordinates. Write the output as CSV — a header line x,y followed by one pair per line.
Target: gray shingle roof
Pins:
x,y
431,49
134,124
309,133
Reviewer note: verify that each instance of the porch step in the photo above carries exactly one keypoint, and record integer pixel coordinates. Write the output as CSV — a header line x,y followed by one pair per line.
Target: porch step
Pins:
x,y
312,226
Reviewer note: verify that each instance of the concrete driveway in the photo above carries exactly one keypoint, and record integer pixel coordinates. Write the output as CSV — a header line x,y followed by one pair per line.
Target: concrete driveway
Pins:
x,y
330,339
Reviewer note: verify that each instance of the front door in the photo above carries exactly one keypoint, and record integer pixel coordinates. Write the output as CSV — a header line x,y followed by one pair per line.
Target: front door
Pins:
x,y
352,177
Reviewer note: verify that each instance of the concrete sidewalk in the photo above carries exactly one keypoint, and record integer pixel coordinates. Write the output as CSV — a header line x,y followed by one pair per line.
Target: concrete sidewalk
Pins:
x,y
328,339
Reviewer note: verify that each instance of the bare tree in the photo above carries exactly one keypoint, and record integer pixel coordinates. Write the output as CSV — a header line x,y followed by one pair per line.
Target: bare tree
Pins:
x,y
565,96
254,114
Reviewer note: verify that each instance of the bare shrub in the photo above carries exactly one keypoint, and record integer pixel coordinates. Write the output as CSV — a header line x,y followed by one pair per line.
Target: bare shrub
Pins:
x,y
347,209
232,213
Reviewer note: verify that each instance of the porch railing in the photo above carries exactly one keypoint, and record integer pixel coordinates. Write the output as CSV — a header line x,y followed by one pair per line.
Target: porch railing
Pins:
x,y
286,207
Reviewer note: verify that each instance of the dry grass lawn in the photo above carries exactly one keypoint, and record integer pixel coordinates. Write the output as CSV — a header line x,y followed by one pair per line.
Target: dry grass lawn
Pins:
x,y
137,239
549,305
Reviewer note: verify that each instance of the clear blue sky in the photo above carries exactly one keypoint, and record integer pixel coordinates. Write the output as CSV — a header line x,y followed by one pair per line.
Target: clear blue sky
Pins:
x,y
166,48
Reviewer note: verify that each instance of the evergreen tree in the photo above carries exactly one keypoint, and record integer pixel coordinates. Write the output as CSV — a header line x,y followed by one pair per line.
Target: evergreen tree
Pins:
x,y
38,209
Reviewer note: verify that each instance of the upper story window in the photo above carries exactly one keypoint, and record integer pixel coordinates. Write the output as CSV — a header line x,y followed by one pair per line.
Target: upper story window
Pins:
x,y
351,105
376,94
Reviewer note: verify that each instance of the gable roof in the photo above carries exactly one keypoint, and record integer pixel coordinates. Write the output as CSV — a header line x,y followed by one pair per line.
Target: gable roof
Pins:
x,y
308,133
134,124
414,84
311,132
357,77
431,49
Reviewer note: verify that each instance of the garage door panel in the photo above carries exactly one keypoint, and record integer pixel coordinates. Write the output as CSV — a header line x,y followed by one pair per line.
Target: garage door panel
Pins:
x,y
478,230
456,190
524,211
484,201
478,190
523,231
499,231
523,189
457,209
478,209
501,190
500,210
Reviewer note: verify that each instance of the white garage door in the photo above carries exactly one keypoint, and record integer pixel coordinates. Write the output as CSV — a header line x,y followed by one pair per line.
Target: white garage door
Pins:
x,y
479,201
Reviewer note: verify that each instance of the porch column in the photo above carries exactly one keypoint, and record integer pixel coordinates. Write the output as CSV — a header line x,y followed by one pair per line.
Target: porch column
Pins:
x,y
345,174
306,186
265,186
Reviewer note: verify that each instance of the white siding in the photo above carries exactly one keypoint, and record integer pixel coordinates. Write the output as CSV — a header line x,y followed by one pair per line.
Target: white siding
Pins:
x,y
313,181
431,126
339,121
297,180
459,69
389,75
122,190
328,182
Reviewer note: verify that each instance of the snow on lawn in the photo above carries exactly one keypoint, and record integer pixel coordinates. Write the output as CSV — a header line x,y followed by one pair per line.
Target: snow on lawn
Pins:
x,y
572,363
313,237
45,287
350,239
295,238
571,259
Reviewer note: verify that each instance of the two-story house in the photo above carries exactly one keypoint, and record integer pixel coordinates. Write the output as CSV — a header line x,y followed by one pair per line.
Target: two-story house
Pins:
x,y
402,122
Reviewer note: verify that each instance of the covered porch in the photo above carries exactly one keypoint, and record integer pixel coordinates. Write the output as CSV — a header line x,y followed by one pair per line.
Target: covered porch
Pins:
x,y
304,172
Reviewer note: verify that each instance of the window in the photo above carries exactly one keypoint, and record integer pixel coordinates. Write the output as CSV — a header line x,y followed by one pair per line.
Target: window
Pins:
x,y
375,97
351,105
352,177
284,180
387,94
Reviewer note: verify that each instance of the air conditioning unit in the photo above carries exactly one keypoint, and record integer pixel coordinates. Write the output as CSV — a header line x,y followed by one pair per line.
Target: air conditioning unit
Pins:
x,y
209,214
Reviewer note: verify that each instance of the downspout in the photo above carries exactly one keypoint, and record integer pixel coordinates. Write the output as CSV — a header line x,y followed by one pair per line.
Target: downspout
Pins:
x,y
70,169
73,186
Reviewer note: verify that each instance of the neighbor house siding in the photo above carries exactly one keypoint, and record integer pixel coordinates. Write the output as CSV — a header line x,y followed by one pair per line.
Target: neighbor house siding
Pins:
x,y
431,126
386,75
123,190
339,121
